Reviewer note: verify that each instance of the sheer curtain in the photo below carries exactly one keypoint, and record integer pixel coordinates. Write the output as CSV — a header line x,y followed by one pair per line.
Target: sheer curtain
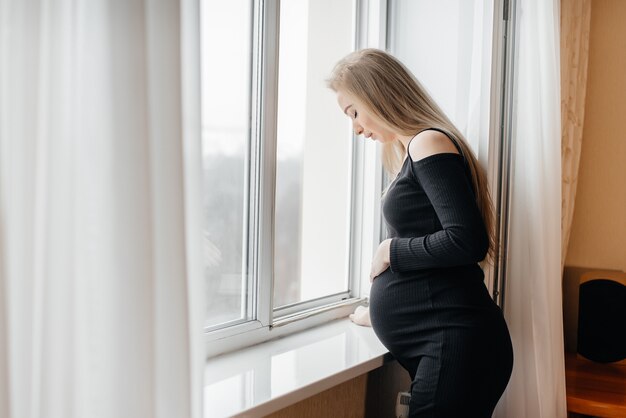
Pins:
x,y
100,310
533,292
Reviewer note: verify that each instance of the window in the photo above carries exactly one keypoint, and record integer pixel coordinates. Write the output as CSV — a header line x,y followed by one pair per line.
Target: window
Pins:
x,y
291,203
452,60
226,98
278,171
313,176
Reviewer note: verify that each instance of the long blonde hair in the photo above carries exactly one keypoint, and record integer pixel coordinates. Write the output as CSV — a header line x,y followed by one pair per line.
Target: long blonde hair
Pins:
x,y
396,98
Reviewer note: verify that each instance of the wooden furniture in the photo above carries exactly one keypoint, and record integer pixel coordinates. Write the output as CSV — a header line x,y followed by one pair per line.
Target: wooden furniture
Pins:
x,y
594,388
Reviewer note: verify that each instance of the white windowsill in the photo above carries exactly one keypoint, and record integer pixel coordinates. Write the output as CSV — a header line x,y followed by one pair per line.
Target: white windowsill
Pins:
x,y
262,379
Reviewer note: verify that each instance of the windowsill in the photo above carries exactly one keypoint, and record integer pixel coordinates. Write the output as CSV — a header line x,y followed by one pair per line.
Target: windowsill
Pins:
x,y
262,379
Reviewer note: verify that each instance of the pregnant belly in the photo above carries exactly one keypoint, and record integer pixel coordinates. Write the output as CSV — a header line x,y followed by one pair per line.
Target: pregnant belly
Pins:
x,y
399,306
409,310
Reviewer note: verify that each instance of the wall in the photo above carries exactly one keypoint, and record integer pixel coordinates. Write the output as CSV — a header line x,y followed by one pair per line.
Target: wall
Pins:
x,y
372,395
346,400
598,237
383,385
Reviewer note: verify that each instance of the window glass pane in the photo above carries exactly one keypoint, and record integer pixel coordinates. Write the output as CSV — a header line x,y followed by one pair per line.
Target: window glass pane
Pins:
x,y
226,28
313,183
447,45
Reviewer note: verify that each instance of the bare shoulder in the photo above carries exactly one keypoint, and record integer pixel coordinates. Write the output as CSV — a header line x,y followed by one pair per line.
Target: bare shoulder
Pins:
x,y
430,142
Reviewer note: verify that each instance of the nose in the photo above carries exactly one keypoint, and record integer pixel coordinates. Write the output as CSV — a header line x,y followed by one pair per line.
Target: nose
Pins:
x,y
358,129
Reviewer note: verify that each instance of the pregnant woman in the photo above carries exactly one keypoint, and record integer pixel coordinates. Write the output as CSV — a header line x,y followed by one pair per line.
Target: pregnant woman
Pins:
x,y
428,302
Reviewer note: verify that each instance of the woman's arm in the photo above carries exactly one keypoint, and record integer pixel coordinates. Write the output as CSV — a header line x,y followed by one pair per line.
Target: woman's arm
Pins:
x,y
463,239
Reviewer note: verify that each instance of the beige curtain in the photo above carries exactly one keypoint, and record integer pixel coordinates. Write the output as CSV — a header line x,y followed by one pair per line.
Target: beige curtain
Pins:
x,y
575,18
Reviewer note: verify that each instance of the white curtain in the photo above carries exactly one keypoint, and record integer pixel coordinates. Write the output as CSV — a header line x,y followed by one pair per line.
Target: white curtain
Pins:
x,y
100,304
533,289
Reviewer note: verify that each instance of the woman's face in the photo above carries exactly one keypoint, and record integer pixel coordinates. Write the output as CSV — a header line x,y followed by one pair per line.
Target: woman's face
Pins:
x,y
363,121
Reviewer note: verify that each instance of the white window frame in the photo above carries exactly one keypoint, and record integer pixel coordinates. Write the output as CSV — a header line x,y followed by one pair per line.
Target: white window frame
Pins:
x,y
370,30
366,220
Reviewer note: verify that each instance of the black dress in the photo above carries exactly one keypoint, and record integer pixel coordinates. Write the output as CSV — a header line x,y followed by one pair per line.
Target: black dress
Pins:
x,y
431,308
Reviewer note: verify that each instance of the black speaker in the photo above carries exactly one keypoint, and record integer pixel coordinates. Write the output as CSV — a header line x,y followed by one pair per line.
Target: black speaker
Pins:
x,y
602,320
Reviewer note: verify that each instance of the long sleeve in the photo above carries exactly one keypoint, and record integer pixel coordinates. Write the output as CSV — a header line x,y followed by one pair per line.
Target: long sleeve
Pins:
x,y
463,239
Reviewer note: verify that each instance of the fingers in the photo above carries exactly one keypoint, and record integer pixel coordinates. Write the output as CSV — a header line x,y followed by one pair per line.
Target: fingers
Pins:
x,y
361,316
373,274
